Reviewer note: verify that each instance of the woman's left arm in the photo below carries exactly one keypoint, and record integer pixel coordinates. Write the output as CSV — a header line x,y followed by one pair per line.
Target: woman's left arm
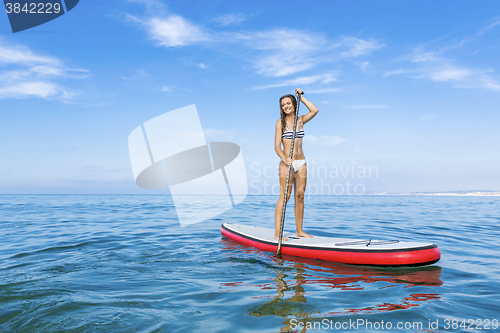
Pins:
x,y
313,110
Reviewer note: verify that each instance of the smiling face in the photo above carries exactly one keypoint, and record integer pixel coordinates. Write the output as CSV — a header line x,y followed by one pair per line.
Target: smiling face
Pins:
x,y
287,106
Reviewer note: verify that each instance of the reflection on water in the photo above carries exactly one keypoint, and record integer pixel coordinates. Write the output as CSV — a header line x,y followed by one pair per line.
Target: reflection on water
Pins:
x,y
282,306
295,275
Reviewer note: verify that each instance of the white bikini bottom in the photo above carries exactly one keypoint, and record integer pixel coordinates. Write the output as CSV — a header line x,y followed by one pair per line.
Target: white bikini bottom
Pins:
x,y
297,164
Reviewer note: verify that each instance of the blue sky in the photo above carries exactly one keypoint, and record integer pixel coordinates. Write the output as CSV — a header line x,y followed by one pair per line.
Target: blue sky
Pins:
x,y
408,89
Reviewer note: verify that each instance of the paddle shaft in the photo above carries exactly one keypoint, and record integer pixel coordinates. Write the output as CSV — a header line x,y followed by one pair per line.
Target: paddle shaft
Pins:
x,y
280,238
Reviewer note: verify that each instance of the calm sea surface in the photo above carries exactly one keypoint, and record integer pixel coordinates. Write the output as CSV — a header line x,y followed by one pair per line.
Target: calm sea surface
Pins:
x,y
122,263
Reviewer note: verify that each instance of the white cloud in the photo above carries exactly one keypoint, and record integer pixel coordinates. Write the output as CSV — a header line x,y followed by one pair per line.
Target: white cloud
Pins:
x,y
40,72
273,53
358,47
138,75
395,72
420,56
325,140
166,89
305,80
311,139
330,140
490,84
490,26
365,106
152,6
173,31
67,96
200,65
428,65
40,89
291,51
440,65
14,75
325,90
22,55
212,133
447,74
440,69
32,75
282,52
228,19
46,70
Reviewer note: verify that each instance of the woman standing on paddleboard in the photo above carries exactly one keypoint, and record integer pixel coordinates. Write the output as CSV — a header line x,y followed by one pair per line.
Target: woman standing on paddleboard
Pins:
x,y
298,174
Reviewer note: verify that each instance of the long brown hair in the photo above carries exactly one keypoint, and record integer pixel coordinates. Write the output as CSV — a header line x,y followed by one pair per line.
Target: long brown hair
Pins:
x,y
283,115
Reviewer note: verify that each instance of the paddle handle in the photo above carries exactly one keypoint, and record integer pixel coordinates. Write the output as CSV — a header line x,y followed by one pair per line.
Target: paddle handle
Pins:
x,y
280,238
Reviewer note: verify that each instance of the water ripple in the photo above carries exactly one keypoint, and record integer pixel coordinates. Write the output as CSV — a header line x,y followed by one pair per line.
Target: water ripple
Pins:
x,y
122,263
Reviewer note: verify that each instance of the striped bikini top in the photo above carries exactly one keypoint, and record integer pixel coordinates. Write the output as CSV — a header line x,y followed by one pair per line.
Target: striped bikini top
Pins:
x,y
288,134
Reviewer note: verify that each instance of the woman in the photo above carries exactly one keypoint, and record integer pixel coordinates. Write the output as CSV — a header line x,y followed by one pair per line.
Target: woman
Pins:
x,y
298,174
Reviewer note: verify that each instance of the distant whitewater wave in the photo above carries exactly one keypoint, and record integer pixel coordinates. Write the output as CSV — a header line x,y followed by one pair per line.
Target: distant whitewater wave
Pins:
x,y
453,193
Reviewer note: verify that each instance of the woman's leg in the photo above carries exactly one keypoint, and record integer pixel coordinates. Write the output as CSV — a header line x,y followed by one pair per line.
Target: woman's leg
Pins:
x,y
279,205
300,188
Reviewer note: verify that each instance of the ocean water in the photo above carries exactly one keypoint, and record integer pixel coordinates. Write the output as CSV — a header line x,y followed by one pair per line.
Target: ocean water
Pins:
x,y
122,263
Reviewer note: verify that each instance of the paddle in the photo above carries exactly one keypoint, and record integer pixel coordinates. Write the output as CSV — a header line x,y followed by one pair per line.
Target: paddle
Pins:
x,y
288,175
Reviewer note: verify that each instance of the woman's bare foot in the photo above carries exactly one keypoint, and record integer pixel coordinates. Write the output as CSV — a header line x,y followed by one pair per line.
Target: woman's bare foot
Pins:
x,y
303,234
282,238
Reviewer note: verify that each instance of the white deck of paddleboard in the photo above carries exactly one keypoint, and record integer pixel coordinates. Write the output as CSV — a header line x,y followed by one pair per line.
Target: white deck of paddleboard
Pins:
x,y
267,235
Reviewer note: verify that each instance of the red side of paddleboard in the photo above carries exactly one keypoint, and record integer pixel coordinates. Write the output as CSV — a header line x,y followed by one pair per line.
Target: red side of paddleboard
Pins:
x,y
425,256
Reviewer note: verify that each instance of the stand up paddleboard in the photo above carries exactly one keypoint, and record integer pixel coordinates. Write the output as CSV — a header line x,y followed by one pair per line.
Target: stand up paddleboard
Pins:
x,y
341,250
